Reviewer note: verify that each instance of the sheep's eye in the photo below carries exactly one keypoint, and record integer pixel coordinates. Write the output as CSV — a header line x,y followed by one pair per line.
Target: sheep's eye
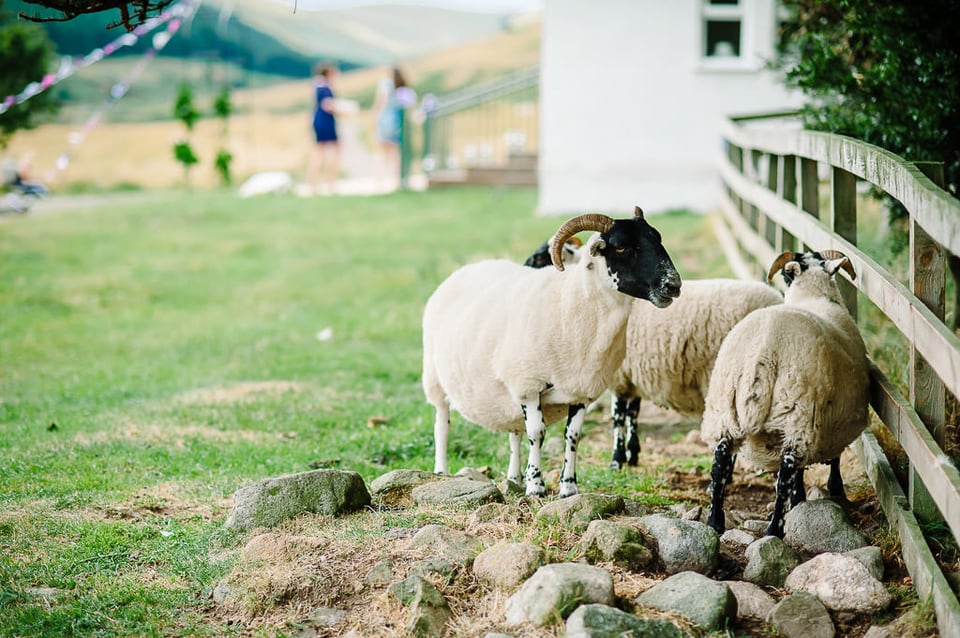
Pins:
x,y
619,250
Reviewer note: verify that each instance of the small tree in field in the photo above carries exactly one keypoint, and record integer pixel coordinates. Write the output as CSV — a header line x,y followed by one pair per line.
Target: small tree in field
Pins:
x,y
26,54
184,111
223,108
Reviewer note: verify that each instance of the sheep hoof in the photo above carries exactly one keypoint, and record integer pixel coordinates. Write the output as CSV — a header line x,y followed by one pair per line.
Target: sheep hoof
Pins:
x,y
615,465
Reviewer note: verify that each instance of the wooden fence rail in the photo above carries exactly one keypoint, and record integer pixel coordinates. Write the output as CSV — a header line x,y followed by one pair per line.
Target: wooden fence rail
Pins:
x,y
775,179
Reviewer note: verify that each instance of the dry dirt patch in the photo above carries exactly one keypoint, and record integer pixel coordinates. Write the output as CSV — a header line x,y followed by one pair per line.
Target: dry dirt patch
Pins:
x,y
240,392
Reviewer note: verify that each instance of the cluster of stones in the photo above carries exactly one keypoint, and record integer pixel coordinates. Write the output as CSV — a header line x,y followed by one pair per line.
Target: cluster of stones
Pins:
x,y
841,574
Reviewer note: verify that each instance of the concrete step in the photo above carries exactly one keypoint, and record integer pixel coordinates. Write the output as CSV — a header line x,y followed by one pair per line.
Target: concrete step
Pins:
x,y
485,176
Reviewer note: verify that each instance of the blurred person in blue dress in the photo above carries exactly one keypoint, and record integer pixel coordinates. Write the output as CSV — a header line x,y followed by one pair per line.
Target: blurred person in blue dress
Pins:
x,y
324,163
393,97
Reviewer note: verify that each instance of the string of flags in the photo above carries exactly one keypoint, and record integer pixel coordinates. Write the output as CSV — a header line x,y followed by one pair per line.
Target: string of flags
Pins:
x,y
173,17
118,90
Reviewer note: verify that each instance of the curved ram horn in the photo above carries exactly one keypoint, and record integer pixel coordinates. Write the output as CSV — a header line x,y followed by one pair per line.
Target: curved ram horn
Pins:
x,y
846,265
778,263
590,221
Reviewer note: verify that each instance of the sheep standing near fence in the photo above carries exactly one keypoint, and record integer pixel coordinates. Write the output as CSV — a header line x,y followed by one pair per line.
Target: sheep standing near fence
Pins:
x,y
514,348
789,387
670,353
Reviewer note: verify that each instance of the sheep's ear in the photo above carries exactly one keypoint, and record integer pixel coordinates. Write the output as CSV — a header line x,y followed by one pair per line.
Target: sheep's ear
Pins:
x,y
793,269
596,247
833,265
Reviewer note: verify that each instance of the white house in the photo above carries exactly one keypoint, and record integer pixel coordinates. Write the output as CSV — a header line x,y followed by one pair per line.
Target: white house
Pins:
x,y
632,93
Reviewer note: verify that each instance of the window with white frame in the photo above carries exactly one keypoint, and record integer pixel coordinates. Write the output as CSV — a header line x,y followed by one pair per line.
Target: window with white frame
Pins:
x,y
723,30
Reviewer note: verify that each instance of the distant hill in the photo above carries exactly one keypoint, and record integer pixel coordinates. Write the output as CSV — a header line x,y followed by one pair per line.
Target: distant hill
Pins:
x,y
368,35
269,37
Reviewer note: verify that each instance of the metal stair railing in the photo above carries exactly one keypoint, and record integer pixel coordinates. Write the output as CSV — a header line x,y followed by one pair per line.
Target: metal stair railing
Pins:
x,y
482,125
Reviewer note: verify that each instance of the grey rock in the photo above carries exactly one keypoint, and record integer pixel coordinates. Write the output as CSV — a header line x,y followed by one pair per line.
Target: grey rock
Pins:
x,y
399,533
755,526
325,617
801,615
635,509
602,621
616,542
686,512
706,603
275,500
429,610
436,567
456,491
472,474
821,526
877,631
737,538
753,602
498,513
769,561
683,545
453,545
871,557
577,511
508,564
393,488
693,514
221,592
380,574
840,582
511,488
555,590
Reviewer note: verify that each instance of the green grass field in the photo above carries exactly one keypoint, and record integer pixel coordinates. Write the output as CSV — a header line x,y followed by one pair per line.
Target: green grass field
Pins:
x,y
155,357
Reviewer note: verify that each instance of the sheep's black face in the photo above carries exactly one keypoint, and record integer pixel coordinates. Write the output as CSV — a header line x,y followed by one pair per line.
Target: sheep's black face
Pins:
x,y
800,263
638,262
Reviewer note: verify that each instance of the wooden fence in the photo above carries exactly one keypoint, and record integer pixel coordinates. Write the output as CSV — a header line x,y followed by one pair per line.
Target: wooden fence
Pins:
x,y
790,189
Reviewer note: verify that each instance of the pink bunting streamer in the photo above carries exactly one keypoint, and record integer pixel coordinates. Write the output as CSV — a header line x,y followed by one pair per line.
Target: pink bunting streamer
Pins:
x,y
69,65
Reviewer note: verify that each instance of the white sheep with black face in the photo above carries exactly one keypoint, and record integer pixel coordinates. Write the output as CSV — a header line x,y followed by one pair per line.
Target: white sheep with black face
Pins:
x,y
790,385
514,348
670,353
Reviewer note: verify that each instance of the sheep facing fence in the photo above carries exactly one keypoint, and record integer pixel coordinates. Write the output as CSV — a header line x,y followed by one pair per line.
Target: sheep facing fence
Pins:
x,y
786,189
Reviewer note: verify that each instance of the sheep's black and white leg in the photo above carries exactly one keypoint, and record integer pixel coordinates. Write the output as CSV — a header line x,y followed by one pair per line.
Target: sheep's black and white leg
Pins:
x,y
536,429
513,471
633,433
799,492
720,475
441,432
626,445
835,481
619,414
786,486
571,437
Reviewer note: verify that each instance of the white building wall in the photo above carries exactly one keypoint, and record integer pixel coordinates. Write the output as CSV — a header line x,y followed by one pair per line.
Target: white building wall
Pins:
x,y
630,109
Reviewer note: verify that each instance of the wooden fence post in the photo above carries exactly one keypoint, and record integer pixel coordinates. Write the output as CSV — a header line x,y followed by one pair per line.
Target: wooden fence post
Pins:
x,y
788,191
809,187
927,393
843,221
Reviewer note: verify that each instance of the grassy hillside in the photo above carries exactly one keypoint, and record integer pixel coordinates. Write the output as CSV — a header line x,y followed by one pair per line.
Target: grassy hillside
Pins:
x,y
277,38
270,131
368,35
